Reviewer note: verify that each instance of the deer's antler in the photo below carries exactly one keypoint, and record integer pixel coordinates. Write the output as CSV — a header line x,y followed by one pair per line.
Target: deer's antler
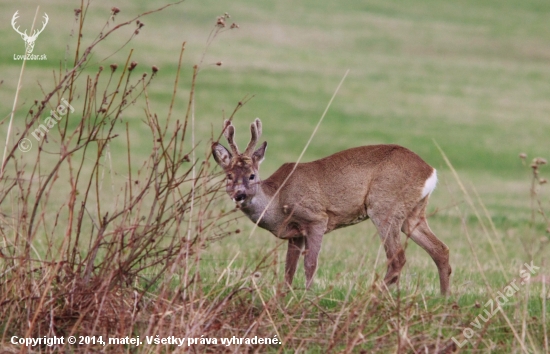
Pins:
x,y
37,32
229,133
13,20
256,132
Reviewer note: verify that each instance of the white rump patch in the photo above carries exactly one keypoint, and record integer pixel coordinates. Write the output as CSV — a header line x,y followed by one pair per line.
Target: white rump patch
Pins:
x,y
429,185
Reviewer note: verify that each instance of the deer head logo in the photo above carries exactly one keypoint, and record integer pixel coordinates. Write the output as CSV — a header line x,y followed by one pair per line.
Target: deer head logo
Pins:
x,y
29,40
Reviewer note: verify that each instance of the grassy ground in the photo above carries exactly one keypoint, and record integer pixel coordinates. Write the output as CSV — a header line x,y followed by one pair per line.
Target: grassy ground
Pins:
x,y
471,77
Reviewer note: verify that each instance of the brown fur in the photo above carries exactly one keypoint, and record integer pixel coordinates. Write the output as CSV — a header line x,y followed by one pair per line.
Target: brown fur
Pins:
x,y
380,182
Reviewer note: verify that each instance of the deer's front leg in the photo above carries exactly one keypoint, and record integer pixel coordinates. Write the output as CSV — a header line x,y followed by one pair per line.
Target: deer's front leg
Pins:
x,y
313,247
295,246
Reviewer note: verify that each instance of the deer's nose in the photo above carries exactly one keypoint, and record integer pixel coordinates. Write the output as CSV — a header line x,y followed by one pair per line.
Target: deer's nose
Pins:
x,y
240,197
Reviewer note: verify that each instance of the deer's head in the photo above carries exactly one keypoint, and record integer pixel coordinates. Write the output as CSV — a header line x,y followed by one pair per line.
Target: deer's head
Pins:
x,y
29,40
241,170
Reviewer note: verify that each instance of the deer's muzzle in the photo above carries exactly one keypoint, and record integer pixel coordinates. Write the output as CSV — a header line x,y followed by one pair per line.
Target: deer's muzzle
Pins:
x,y
240,197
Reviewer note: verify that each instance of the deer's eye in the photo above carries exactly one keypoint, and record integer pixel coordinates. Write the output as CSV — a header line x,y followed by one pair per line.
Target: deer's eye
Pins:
x,y
252,176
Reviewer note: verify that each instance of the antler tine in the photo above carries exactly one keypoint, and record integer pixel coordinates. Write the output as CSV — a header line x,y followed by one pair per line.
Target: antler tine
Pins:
x,y
14,18
259,126
44,23
229,133
256,132
13,22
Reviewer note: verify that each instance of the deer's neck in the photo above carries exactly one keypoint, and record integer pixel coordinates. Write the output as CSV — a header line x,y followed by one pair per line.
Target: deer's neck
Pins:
x,y
261,202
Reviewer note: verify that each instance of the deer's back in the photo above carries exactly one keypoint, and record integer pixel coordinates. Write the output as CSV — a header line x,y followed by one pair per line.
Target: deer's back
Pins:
x,y
342,184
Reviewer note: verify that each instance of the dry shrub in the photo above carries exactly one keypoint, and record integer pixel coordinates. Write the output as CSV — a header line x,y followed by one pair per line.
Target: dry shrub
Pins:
x,y
82,249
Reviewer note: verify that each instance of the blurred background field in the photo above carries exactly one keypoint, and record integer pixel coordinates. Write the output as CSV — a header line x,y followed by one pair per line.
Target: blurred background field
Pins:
x,y
470,76
473,77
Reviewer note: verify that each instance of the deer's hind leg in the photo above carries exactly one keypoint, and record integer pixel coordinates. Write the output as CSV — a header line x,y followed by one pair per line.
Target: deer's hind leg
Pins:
x,y
416,227
388,226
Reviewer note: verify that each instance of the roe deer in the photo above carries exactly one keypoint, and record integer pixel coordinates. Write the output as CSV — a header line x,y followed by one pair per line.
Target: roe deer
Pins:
x,y
387,183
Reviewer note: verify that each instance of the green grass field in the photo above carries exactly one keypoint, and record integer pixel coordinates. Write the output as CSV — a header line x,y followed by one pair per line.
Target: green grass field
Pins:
x,y
471,77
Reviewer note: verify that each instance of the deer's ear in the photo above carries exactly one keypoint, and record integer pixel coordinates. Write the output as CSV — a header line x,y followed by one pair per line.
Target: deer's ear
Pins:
x,y
258,155
221,155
